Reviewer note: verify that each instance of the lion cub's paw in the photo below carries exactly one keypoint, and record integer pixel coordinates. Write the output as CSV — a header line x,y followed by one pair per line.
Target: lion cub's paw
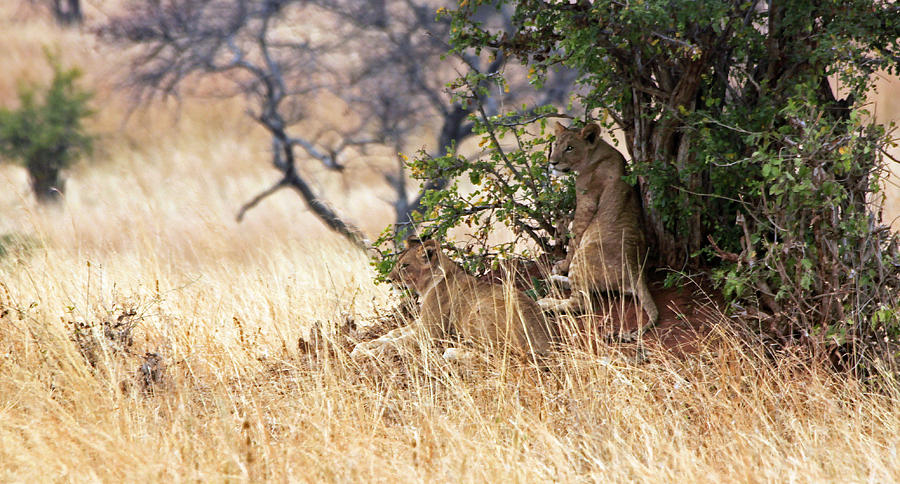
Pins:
x,y
378,348
562,280
553,305
370,349
635,336
546,304
459,355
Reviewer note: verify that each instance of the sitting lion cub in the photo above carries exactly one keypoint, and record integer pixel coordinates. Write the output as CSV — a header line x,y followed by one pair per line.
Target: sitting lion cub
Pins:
x,y
607,249
456,304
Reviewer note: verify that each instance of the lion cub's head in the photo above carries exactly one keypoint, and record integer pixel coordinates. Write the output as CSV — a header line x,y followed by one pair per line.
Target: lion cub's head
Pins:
x,y
419,264
572,148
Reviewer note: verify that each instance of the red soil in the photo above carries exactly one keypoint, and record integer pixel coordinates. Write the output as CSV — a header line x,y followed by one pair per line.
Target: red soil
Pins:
x,y
688,317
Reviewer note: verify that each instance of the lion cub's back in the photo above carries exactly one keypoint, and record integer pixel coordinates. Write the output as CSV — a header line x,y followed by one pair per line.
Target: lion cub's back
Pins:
x,y
617,225
492,313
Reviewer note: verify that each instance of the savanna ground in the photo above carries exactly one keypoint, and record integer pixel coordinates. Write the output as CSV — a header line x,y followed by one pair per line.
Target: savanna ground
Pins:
x,y
147,336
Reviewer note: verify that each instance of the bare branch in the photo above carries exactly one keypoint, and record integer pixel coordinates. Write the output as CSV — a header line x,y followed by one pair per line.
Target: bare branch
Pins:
x,y
328,160
255,200
392,85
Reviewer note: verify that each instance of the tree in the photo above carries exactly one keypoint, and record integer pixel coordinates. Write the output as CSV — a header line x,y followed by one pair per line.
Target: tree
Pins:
x,y
67,11
46,133
383,59
234,40
752,165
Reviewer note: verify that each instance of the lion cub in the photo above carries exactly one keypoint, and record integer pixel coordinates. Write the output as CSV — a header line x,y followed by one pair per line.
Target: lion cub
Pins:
x,y
607,249
454,304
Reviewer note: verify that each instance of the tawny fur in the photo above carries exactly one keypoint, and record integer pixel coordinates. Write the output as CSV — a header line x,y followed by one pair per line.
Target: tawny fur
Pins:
x,y
608,248
456,305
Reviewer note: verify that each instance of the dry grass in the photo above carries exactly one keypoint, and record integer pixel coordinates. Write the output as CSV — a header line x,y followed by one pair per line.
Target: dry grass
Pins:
x,y
145,257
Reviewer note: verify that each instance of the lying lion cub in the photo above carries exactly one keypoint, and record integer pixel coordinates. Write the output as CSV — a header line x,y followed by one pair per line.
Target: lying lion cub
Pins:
x,y
607,249
456,305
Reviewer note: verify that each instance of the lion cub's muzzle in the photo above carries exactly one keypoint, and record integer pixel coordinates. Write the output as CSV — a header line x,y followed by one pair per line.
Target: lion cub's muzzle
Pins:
x,y
555,170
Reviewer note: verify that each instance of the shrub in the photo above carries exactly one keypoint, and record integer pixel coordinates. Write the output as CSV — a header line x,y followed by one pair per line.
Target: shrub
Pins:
x,y
45,134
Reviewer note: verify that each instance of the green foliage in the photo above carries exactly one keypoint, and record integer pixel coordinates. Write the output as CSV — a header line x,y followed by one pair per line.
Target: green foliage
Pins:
x,y
45,134
688,80
817,255
507,185
751,167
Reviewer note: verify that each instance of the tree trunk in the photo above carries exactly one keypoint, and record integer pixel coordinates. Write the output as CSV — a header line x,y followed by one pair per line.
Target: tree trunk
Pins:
x,y
665,144
47,184
67,12
644,141
666,249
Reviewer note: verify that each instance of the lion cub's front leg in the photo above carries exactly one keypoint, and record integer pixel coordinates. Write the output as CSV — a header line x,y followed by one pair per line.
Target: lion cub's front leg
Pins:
x,y
559,275
574,304
561,268
403,338
377,348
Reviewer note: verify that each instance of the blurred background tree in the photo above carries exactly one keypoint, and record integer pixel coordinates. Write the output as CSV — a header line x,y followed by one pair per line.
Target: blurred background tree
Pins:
x,y
65,12
382,61
45,133
68,12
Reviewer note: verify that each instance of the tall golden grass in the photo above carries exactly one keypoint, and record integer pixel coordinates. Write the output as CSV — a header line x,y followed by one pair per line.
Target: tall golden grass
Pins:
x,y
146,236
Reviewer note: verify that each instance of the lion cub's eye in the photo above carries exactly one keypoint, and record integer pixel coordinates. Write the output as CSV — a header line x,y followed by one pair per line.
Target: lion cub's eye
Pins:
x,y
569,148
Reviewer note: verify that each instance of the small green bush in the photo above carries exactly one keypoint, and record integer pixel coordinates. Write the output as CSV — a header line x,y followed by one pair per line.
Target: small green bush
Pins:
x,y
45,134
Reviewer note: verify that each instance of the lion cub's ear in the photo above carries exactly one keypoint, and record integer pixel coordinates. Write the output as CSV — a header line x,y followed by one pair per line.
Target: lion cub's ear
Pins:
x,y
411,241
558,128
414,241
430,249
591,133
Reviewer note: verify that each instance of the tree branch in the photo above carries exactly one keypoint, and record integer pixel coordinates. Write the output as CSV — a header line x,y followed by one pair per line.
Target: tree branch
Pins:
x,y
255,200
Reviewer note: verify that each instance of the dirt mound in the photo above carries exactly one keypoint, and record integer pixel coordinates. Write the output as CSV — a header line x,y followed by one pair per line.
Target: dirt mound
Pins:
x,y
688,317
